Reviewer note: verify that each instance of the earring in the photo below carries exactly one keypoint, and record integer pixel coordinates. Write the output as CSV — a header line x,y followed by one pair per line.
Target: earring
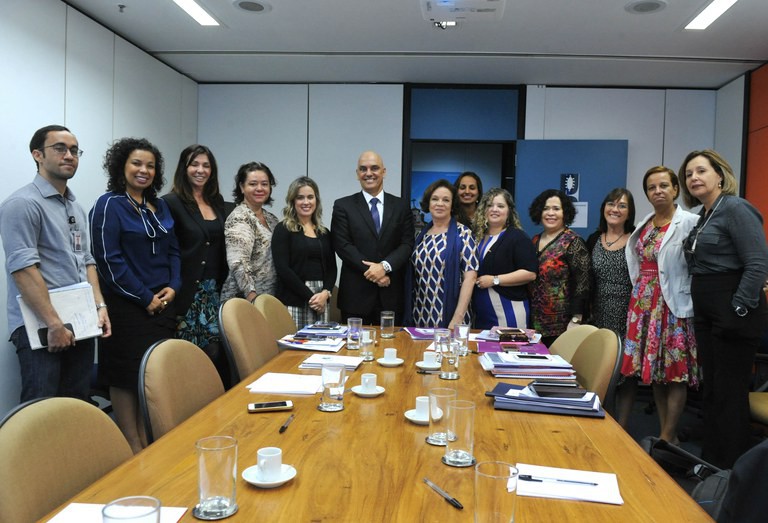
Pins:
x,y
720,184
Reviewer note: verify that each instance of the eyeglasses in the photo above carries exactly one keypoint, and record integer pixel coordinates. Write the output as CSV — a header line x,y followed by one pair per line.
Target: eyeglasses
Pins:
x,y
62,149
619,206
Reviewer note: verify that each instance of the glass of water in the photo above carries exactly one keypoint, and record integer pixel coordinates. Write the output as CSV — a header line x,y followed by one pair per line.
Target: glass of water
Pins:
x,y
461,334
332,400
367,343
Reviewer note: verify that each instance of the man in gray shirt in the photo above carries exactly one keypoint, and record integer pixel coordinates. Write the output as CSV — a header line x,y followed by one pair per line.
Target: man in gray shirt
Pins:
x,y
46,242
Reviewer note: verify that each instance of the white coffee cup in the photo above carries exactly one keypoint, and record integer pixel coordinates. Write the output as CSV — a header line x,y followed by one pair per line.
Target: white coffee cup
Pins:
x,y
422,407
390,354
368,382
429,358
270,462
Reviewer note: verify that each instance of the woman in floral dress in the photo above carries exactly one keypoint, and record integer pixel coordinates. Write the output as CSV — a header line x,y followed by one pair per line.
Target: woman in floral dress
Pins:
x,y
660,347
560,292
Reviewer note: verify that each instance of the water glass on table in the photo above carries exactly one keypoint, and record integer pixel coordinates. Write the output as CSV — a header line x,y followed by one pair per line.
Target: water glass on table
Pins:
x,y
495,492
387,324
354,334
217,471
461,334
367,343
449,359
438,414
332,399
461,434
132,509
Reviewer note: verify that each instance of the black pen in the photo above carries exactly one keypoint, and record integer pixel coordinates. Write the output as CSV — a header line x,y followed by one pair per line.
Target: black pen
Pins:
x,y
528,477
284,427
428,372
450,499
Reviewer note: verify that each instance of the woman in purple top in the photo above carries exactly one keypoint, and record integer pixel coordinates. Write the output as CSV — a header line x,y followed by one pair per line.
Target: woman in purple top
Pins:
x,y
137,257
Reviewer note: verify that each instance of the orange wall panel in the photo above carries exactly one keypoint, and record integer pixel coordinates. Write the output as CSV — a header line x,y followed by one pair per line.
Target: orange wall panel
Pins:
x,y
757,172
758,99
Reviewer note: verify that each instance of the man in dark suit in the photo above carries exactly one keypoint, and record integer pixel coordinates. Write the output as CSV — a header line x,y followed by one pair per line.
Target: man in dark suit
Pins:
x,y
372,233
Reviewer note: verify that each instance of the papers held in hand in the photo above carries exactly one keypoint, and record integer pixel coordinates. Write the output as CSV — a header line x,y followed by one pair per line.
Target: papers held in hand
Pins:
x,y
75,306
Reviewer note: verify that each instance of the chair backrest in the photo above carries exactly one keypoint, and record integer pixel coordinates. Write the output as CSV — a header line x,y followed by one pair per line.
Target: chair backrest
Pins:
x,y
176,379
595,363
334,305
51,449
567,343
277,315
247,337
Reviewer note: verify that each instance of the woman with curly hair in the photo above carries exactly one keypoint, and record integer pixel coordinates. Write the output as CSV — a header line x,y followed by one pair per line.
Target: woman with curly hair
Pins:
x,y
560,293
507,264
248,235
307,269
139,266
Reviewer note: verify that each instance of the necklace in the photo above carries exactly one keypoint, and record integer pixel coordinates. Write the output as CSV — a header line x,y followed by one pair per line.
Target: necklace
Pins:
x,y
610,244
698,229
653,221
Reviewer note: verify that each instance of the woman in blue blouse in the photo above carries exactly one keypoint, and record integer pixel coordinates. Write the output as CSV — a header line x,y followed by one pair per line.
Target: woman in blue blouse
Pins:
x,y
137,257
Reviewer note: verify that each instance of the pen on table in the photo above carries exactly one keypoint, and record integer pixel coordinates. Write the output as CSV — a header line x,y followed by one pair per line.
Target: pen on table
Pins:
x,y
528,477
284,427
450,499
427,372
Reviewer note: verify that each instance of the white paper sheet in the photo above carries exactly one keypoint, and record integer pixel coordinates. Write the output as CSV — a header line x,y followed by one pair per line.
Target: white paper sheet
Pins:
x,y
283,383
316,361
606,490
91,513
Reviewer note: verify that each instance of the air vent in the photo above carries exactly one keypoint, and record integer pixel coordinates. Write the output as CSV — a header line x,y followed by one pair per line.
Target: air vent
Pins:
x,y
644,7
253,7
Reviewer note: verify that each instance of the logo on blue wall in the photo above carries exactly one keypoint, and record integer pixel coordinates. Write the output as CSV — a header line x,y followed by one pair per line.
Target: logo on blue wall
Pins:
x,y
569,184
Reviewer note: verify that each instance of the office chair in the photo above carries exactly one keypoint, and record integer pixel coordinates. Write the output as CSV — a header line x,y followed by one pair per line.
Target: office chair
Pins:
x,y
277,315
567,343
51,449
176,379
596,363
758,400
247,338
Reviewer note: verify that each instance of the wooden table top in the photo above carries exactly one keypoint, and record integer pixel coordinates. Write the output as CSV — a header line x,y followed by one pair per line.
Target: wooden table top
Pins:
x,y
366,463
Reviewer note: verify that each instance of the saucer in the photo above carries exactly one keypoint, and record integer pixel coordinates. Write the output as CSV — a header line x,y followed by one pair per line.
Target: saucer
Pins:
x,y
358,389
390,363
426,366
410,415
253,476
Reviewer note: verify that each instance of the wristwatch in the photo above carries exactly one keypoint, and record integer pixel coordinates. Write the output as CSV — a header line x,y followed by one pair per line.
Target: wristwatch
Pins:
x,y
741,311
387,266
101,305
576,320
495,280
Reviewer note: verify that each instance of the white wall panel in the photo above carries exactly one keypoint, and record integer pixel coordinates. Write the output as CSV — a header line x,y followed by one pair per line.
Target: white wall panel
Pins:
x,y
263,123
729,131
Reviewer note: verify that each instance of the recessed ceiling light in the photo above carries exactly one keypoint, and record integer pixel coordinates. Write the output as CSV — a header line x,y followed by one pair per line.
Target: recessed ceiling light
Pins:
x,y
644,7
253,7
196,12
711,13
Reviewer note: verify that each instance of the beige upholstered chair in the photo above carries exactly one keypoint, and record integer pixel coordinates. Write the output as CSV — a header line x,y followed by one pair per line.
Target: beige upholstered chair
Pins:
x,y
758,400
176,379
567,343
596,363
51,449
247,337
277,315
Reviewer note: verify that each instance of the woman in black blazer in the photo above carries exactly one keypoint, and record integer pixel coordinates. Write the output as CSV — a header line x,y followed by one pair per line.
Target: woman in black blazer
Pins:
x,y
304,258
507,264
198,213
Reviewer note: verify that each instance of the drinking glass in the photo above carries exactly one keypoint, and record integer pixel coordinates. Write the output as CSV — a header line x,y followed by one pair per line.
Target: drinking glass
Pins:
x,y
217,469
387,324
449,359
332,399
461,434
132,509
438,414
354,328
461,333
367,343
495,492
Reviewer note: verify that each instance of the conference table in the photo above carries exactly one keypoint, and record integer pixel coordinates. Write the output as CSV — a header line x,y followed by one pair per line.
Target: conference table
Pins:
x,y
367,462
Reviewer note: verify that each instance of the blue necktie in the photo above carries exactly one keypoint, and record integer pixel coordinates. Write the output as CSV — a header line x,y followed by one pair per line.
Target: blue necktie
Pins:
x,y
375,214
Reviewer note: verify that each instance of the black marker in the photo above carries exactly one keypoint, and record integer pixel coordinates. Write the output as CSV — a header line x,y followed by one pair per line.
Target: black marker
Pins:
x,y
284,427
450,499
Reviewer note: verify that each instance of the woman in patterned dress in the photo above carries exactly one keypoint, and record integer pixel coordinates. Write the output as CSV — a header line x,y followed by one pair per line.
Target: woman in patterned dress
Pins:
x,y
507,264
444,264
248,235
611,286
306,268
560,292
660,347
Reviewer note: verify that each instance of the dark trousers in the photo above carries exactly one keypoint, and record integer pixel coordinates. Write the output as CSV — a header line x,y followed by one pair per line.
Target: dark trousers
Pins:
x,y
44,374
727,345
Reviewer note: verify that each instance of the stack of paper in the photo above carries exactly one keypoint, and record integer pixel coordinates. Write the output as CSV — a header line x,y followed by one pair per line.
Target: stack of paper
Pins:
x,y
316,361
557,483
281,383
311,342
339,331
524,365
519,398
